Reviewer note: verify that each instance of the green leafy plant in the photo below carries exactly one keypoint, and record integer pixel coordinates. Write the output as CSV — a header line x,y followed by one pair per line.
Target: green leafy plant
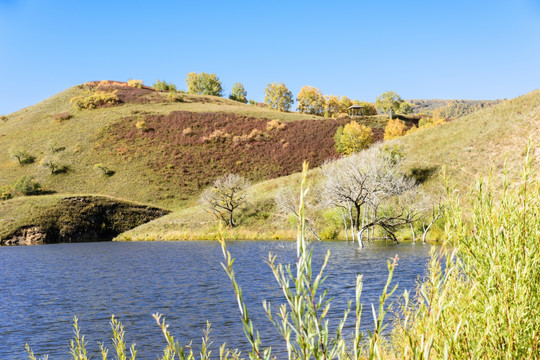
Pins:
x,y
104,170
95,100
27,185
22,156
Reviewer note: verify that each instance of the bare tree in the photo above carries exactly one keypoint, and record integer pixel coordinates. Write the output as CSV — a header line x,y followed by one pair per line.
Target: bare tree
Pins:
x,y
365,184
226,194
287,202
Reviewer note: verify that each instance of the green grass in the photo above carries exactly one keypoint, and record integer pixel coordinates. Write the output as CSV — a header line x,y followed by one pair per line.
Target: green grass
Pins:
x,y
473,145
77,144
467,148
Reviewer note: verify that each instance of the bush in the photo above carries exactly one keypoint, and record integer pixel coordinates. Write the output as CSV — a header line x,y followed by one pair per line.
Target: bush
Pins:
x,y
53,165
6,192
141,125
96,100
174,97
62,116
135,83
481,296
27,185
394,129
161,85
4,118
352,138
104,170
23,157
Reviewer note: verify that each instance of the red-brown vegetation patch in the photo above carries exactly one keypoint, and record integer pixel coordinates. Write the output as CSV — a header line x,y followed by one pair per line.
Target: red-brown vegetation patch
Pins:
x,y
126,93
190,149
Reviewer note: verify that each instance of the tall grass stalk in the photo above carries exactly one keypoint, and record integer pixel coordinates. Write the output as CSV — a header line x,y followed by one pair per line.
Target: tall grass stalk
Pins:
x,y
482,293
301,320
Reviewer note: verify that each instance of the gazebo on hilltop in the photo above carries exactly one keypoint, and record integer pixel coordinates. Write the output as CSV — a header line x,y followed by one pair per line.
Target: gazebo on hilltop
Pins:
x,y
356,110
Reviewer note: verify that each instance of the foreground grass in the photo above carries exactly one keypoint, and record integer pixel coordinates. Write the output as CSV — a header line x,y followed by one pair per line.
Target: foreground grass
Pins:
x,y
480,298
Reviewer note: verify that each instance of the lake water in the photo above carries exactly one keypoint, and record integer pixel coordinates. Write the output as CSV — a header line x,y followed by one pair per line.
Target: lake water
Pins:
x,y
43,287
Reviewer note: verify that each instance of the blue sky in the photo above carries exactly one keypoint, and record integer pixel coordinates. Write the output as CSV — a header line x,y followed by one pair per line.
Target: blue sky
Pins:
x,y
420,49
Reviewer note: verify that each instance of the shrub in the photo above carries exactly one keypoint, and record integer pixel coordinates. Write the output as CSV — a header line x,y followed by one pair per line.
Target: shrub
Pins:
x,y
27,185
353,138
53,165
4,118
395,128
62,116
174,97
161,85
96,100
104,170
141,125
23,157
135,83
6,192
275,125
481,296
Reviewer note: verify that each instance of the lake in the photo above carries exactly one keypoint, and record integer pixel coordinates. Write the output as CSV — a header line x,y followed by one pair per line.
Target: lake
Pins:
x,y
43,287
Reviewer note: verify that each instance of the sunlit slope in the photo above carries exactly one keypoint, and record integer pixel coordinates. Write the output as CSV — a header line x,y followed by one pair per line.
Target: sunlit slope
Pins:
x,y
468,147
182,146
475,144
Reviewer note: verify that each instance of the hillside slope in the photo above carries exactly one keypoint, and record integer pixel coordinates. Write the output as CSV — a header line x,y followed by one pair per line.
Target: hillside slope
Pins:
x,y
468,147
156,149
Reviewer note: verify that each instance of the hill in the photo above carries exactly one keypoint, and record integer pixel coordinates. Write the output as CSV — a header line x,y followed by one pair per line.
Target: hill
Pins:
x,y
449,109
467,147
148,146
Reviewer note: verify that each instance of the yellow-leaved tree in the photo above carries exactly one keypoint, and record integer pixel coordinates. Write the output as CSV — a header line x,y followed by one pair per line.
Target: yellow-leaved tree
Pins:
x,y
332,106
278,97
353,137
310,100
395,128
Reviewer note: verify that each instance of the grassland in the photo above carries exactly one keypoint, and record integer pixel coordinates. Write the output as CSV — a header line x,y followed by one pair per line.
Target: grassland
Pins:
x,y
182,146
470,147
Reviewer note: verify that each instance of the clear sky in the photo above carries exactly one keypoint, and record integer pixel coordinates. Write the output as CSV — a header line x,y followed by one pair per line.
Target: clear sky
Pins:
x,y
462,49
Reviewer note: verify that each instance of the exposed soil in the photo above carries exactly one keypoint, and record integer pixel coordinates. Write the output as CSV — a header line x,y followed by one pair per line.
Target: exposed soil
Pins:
x,y
82,218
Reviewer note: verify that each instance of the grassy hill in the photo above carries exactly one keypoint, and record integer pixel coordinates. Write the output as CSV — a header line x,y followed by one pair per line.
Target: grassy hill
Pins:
x,y
468,147
158,151
449,109
149,148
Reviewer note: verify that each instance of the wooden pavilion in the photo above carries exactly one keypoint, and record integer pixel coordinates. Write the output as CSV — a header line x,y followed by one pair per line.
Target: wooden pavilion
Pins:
x,y
356,110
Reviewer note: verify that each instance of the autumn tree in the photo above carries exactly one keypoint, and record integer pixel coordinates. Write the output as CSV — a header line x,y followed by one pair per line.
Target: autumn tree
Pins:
x,y
369,108
226,194
405,108
345,104
388,102
310,101
204,84
367,185
278,97
352,138
394,128
238,93
332,106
